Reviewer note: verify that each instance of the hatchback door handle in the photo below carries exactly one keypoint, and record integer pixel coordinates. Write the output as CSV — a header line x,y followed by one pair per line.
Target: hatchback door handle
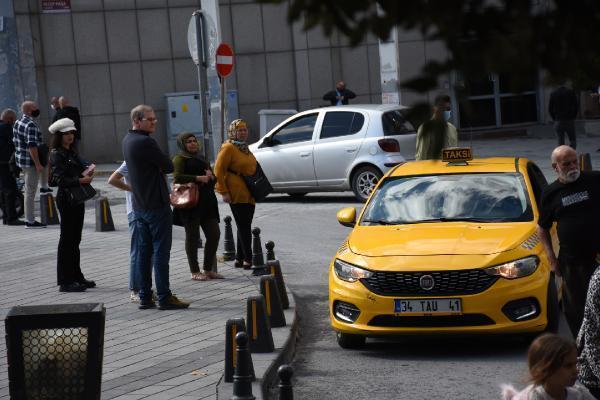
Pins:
x,y
351,149
305,154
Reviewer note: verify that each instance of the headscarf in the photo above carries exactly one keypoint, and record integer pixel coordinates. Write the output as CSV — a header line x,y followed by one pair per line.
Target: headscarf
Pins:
x,y
232,135
181,138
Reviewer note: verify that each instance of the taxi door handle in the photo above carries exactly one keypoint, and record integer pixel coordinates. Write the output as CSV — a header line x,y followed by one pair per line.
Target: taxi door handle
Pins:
x,y
305,154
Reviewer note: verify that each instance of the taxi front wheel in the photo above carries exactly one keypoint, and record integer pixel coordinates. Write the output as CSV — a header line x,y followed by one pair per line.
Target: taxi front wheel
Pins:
x,y
350,341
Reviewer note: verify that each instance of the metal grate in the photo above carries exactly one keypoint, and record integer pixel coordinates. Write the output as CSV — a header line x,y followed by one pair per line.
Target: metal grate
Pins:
x,y
446,283
54,362
440,321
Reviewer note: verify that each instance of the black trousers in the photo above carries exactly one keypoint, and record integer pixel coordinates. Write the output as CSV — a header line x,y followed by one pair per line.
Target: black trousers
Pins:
x,y
568,127
211,230
576,275
243,214
68,269
8,191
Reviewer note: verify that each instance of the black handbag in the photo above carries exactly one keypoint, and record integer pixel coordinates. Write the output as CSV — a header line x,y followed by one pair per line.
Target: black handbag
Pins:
x,y
79,194
258,184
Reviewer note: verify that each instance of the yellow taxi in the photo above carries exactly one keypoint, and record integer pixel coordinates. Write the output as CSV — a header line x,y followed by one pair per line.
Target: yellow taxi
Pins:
x,y
445,246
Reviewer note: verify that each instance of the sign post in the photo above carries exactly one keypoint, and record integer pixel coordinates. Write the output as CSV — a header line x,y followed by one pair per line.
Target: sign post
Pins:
x,y
224,61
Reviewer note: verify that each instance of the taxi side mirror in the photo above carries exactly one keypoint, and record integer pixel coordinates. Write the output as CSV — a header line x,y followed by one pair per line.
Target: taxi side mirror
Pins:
x,y
347,216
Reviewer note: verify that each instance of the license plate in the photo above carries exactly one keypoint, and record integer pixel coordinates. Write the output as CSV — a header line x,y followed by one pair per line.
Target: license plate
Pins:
x,y
427,306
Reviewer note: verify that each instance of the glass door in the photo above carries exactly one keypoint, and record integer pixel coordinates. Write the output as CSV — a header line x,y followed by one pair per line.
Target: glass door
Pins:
x,y
490,103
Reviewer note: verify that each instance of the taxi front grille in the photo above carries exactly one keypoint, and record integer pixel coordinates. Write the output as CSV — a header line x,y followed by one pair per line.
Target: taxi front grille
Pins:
x,y
446,283
440,321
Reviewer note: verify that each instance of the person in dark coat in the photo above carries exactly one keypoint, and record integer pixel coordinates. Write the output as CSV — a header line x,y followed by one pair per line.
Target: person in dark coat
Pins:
x,y
67,111
563,108
8,183
68,170
340,95
189,166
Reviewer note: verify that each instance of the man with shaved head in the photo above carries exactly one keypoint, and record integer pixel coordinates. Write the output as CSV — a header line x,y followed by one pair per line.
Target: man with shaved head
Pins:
x,y
573,202
67,111
27,137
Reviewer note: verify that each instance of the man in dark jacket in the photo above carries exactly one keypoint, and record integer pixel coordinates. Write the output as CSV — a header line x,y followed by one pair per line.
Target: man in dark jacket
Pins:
x,y
67,111
563,108
147,166
340,95
8,183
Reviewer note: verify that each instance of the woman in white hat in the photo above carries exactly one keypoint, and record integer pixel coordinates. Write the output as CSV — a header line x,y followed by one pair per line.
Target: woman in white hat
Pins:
x,y
69,173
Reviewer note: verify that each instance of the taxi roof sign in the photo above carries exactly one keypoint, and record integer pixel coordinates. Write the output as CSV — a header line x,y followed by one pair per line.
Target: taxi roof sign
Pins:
x,y
456,155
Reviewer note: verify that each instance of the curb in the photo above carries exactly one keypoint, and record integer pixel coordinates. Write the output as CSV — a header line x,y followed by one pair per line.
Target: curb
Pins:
x,y
266,364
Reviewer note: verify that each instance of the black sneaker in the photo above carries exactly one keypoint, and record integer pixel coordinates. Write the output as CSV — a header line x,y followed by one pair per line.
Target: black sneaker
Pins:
x,y
34,225
72,287
45,190
144,305
173,303
15,222
88,284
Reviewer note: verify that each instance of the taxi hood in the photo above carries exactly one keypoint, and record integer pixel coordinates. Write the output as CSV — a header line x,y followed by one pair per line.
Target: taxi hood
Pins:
x,y
438,238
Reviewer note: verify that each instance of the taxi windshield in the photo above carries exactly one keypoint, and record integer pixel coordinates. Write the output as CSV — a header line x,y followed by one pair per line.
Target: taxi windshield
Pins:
x,y
485,197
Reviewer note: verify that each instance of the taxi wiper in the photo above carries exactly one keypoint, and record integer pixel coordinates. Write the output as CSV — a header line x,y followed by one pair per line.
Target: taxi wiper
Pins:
x,y
455,219
379,222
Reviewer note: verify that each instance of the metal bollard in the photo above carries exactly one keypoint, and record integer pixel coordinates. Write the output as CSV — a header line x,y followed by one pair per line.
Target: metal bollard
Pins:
x,y
228,242
585,162
270,245
104,221
258,261
49,215
286,391
242,379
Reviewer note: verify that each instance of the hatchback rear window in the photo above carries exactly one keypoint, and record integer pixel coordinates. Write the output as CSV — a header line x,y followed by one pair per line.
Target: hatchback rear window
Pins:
x,y
486,197
395,123
341,123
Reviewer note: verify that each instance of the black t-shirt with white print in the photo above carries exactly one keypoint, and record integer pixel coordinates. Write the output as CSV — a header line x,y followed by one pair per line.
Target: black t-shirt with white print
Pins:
x,y
576,208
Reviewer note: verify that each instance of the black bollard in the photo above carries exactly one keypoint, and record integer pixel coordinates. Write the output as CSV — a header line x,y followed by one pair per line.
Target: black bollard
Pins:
x,y
233,326
228,243
259,327
49,215
268,288
104,221
258,261
274,268
285,373
270,245
242,379
585,162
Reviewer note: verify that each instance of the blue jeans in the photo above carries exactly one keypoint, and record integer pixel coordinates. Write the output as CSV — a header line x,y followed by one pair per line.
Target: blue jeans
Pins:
x,y
134,267
154,231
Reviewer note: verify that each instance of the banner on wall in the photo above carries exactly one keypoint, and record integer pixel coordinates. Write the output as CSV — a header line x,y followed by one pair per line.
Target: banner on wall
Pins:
x,y
56,6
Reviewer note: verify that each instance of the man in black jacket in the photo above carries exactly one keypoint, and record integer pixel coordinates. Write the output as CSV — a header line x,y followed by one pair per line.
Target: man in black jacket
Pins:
x,y
67,111
147,166
563,108
340,95
8,183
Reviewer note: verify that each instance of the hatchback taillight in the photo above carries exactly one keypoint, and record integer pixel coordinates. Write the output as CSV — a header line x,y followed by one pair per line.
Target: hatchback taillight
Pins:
x,y
389,145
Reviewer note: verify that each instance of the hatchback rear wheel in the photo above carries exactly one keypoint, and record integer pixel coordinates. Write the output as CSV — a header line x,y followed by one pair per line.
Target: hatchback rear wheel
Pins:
x,y
364,181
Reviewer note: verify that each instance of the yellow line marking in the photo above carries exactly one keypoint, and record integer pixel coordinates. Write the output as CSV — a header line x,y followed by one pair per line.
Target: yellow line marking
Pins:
x,y
233,333
254,329
105,213
268,298
50,207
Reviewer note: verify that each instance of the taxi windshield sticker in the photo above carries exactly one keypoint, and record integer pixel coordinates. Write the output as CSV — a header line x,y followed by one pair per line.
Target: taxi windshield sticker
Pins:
x,y
457,154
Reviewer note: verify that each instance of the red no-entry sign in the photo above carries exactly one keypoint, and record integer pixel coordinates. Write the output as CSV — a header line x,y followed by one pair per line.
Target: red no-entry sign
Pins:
x,y
224,60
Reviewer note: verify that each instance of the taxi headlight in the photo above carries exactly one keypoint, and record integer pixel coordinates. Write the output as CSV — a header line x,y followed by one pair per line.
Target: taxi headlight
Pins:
x,y
348,272
515,269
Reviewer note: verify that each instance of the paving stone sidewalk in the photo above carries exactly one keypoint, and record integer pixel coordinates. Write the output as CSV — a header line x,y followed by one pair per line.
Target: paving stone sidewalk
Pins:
x,y
148,354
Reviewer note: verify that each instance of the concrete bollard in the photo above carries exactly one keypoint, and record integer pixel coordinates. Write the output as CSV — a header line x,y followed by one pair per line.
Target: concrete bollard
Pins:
x,y
242,380
259,328
268,288
104,221
49,215
228,242
585,162
274,268
258,261
270,245
233,326
286,391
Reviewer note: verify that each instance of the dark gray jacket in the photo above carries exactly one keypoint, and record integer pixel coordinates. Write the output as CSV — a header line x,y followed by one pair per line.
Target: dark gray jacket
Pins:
x,y
147,165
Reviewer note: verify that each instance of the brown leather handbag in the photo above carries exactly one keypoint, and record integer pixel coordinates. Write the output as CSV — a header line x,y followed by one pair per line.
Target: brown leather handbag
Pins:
x,y
185,195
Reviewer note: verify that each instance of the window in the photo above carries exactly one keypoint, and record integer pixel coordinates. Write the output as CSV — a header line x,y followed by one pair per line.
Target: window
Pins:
x,y
394,123
299,130
538,181
341,123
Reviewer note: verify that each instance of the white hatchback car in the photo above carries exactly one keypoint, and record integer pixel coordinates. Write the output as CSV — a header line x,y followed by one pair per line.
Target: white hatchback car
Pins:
x,y
336,148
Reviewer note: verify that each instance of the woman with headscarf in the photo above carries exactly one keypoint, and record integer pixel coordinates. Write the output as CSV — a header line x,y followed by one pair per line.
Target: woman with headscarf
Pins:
x,y
68,170
190,166
235,159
